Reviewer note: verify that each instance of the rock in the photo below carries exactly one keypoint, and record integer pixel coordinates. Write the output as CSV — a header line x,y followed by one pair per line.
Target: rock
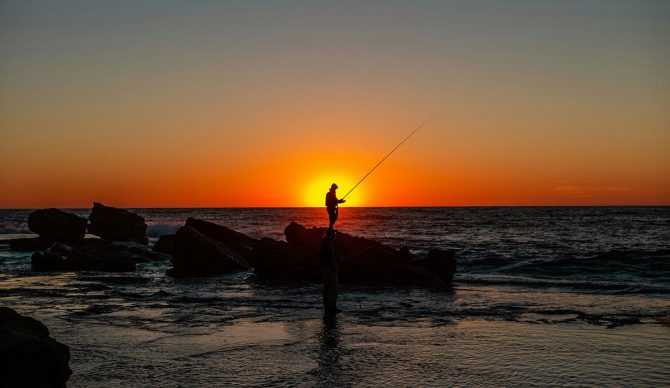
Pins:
x,y
56,225
117,224
365,261
272,260
165,244
89,255
199,255
240,242
282,262
27,244
28,356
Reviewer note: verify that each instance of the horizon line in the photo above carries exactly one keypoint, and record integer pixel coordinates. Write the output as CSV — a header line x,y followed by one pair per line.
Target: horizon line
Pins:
x,y
319,207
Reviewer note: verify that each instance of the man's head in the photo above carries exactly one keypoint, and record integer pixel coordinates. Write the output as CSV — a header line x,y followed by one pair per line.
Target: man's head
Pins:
x,y
333,187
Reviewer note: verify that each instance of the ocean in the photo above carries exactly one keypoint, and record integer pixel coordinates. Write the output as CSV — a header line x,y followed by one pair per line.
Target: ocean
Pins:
x,y
543,296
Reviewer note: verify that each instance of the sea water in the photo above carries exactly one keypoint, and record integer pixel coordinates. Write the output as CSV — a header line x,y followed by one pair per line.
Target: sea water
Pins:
x,y
543,297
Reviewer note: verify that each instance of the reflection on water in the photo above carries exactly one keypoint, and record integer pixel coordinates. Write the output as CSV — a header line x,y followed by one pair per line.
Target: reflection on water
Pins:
x,y
329,372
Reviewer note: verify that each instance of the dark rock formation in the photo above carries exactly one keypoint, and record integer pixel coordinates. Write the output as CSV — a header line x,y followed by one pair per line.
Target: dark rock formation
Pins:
x,y
117,224
240,242
57,226
272,260
366,261
91,255
27,244
165,244
196,254
28,356
282,262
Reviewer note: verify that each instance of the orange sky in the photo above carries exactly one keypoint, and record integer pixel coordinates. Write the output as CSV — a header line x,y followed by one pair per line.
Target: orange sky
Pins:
x,y
201,107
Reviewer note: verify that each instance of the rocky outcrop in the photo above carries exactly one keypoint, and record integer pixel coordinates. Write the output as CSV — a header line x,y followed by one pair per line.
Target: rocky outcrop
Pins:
x,y
240,242
196,254
165,244
52,225
28,356
365,261
57,226
27,243
202,248
93,255
117,224
282,262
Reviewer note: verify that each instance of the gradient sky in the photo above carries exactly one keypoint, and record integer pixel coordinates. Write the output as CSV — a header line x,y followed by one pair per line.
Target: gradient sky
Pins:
x,y
265,103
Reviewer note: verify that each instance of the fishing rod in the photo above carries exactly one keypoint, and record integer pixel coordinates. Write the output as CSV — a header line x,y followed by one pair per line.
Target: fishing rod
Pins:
x,y
389,154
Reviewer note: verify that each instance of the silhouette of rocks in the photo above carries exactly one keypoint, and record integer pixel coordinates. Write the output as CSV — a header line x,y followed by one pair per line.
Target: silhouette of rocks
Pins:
x,y
240,242
27,244
366,261
165,244
272,260
117,224
28,356
282,262
56,225
196,254
93,255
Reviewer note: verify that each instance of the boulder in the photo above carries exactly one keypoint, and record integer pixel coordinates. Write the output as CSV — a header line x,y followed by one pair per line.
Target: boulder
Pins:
x,y
28,356
196,254
56,225
282,262
240,242
117,224
271,259
27,243
366,261
90,255
165,244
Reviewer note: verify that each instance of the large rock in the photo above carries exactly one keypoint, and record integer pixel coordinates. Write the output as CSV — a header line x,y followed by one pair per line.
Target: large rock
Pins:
x,y
28,356
272,260
27,243
117,224
240,242
57,226
91,255
165,244
196,254
282,262
366,261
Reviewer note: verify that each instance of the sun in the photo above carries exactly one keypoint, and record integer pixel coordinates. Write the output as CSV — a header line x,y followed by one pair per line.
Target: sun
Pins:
x,y
316,189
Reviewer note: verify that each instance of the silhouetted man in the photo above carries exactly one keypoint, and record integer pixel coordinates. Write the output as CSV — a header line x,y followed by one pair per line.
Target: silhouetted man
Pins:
x,y
332,205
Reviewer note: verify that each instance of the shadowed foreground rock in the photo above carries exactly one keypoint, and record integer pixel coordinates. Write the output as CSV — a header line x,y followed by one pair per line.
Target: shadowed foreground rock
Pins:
x,y
28,356
117,224
55,225
52,225
93,255
27,243
196,254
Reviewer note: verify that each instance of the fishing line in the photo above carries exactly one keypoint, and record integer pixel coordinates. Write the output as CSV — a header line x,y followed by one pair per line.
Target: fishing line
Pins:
x,y
389,154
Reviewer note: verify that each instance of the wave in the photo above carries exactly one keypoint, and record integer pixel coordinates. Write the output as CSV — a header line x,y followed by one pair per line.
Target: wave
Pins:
x,y
597,286
157,230
14,230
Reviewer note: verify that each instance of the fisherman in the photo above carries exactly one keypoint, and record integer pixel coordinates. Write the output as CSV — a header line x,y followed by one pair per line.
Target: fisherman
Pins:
x,y
332,205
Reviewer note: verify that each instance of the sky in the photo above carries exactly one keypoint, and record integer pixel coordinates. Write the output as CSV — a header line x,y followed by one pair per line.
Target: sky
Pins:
x,y
266,103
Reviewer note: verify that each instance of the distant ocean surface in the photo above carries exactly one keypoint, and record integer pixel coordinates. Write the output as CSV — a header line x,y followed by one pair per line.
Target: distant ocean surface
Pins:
x,y
544,296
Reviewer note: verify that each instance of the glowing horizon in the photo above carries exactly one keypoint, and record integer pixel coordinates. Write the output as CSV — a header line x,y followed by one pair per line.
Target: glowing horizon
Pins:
x,y
239,104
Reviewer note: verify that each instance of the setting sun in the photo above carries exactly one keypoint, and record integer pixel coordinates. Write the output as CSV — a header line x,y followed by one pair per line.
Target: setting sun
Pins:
x,y
315,192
